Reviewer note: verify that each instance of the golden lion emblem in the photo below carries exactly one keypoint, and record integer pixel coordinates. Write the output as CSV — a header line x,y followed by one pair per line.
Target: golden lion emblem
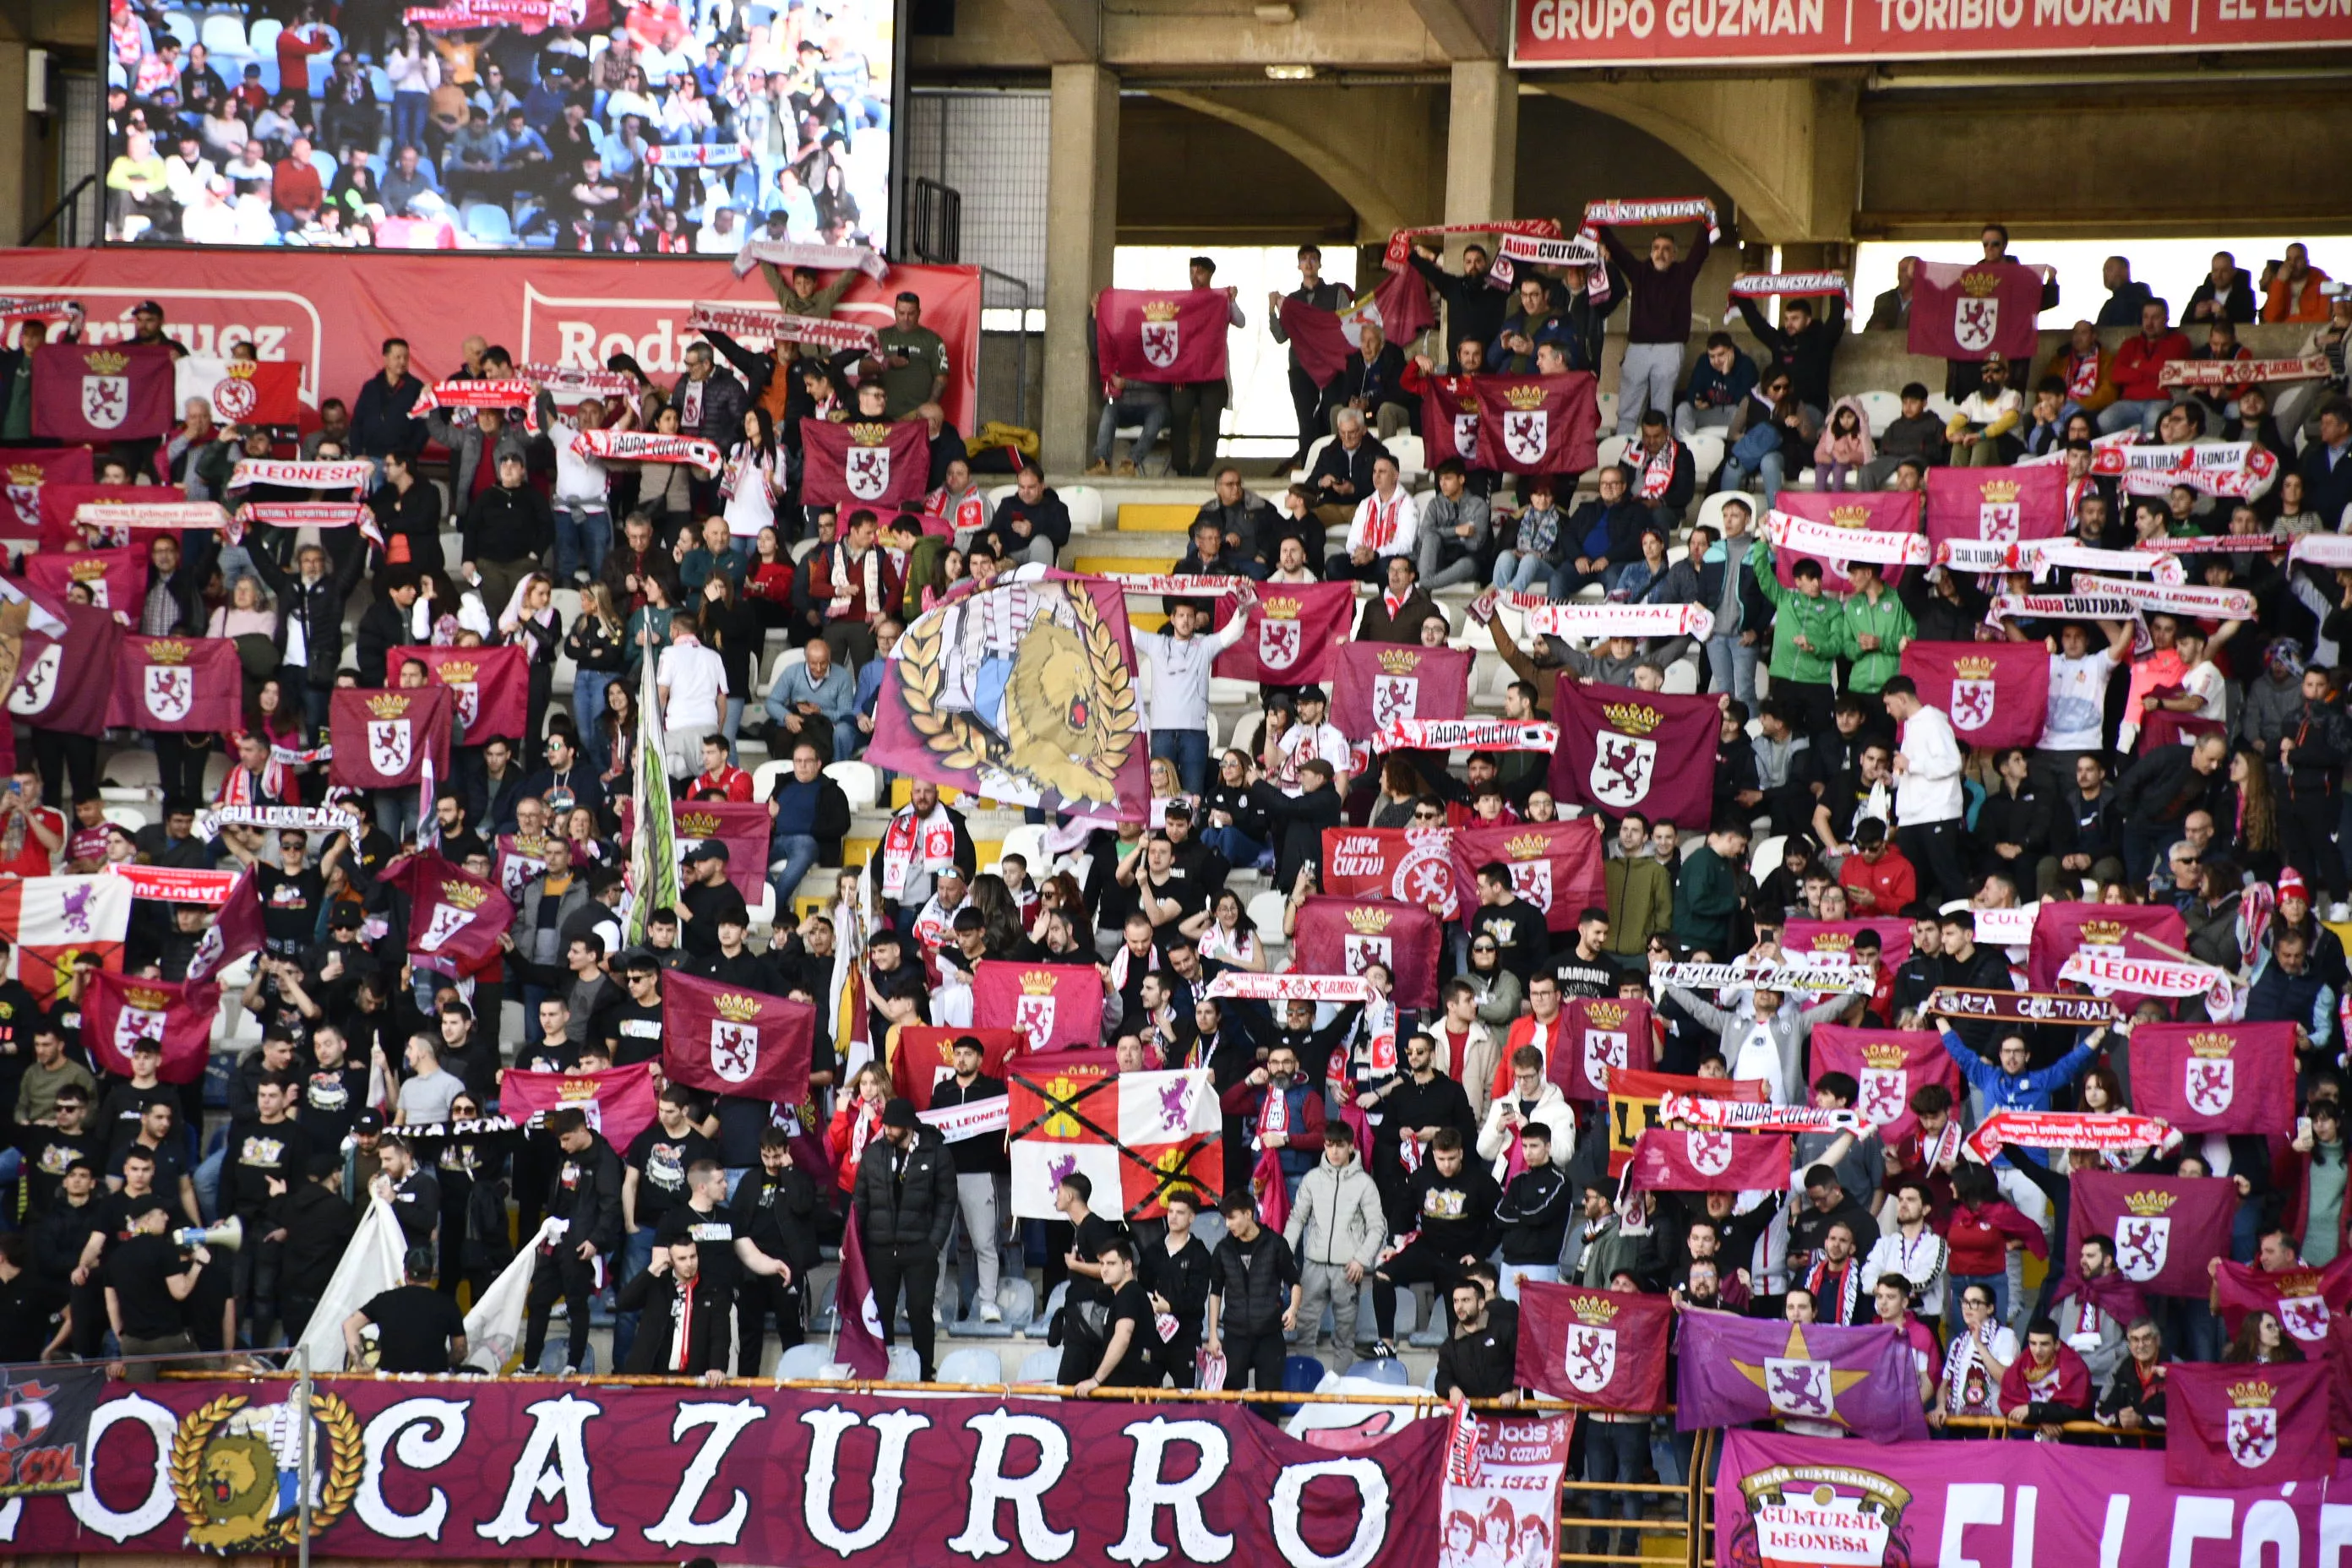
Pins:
x,y
236,1471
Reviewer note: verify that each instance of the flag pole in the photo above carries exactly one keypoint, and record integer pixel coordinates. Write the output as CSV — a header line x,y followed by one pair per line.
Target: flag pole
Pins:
x,y
653,857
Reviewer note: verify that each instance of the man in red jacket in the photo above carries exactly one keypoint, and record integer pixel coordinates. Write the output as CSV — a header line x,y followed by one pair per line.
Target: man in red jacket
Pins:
x,y
2140,399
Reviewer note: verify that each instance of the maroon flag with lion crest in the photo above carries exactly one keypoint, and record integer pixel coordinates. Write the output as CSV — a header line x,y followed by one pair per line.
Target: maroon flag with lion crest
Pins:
x,y
1602,1350
1995,694
864,463
1292,637
732,1040
382,739
2231,1423
1969,310
1379,683
1539,424
1622,750
1348,936
99,392
1555,866
1162,335
178,686
490,686
454,917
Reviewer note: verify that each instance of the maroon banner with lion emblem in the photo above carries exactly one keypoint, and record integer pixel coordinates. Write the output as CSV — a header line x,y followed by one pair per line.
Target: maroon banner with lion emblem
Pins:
x,y
100,393
1601,1034
122,1012
2216,1077
1293,636
1449,420
2062,928
1555,866
732,1040
1051,1007
455,918
383,738
1622,750
864,463
1602,1349
67,684
1378,683
1409,864
178,686
1996,693
1709,1162
741,825
1346,936
114,579
1969,310
1873,512
1162,335
2166,1228
2236,1424
619,1102
1888,1066
922,1054
27,470
2003,505
2306,1301
1539,424
488,687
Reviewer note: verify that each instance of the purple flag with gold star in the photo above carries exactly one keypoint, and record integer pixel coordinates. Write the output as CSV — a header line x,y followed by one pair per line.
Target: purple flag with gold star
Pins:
x,y
1813,1377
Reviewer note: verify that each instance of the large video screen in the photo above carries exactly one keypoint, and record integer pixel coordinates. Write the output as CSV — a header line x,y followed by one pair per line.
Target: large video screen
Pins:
x,y
669,127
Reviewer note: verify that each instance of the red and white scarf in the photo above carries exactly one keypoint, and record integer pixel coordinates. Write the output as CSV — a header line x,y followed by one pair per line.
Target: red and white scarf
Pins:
x,y
1602,214
334,475
866,600
934,837
1972,1348
504,395
2101,1131
787,326
2081,373
1556,254
1381,520
304,514
647,446
1658,472
20,307
1791,285
1273,1112
165,516
1849,1286
969,509
1256,987
1398,256
785,255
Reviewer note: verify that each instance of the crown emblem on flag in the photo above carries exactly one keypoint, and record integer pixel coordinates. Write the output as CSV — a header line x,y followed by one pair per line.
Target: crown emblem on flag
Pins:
x,y
2149,1205
1370,923
737,1008
107,362
1036,983
870,435
2254,1393
1883,1056
2302,1282
1999,491
1524,397
168,650
576,1088
2209,1044
387,704
1159,310
1850,516
25,474
464,895
1526,845
2105,933
1594,1309
242,370
1831,942
698,824
1632,718
1399,660
456,671
1605,1014
1973,667
1980,284
146,998
1280,609
85,570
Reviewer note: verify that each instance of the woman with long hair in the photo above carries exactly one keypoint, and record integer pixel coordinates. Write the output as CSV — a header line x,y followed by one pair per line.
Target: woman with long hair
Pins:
x,y
2249,815
665,489
533,623
649,623
584,831
754,481
414,70
731,628
767,582
1002,934
1225,933
1401,786
616,734
857,1123
2262,1341
280,724
599,648
1167,788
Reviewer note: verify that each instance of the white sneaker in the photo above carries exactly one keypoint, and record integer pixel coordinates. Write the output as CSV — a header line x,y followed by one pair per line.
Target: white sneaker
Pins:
x,y
990,1312
2339,911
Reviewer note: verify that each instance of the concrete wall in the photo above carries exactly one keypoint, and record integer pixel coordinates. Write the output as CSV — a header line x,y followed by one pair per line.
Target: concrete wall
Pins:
x,y
1176,183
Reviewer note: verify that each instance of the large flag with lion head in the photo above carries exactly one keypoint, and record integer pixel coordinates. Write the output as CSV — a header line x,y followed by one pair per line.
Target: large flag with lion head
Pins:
x,y
383,739
864,463
1023,693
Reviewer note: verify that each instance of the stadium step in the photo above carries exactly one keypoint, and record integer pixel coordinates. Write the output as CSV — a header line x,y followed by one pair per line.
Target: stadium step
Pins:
x,y
1152,517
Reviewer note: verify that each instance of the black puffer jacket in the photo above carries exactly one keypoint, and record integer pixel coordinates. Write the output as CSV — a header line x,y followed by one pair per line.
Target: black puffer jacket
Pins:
x,y
913,1210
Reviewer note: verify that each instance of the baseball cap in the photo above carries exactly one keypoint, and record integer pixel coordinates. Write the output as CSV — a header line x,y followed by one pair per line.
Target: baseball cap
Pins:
x,y
709,849
369,1121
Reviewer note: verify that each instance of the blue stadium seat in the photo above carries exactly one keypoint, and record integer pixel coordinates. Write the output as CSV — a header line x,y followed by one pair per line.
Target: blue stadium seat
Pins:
x,y
488,222
1302,1374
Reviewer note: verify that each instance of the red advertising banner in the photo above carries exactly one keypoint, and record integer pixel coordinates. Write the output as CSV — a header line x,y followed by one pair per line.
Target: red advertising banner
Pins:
x,y
1539,424
102,392
490,686
382,739
486,1467
1051,1007
114,579
2165,1229
1874,512
331,311
1378,683
1346,936
1555,866
1408,865
1602,1035
741,825
1292,637
1602,1350
619,1101
1996,693
922,1054
1622,750
1888,1066
178,686
1162,335
864,464
732,1040
2001,504
121,1013
69,695
2216,1077
1970,310
27,470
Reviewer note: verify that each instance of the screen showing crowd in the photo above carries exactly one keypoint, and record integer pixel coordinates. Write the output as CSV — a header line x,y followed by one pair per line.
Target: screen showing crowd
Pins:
x,y
581,125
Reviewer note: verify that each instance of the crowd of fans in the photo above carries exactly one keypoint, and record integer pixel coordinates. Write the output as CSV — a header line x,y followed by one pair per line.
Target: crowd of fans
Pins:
x,y
2200,768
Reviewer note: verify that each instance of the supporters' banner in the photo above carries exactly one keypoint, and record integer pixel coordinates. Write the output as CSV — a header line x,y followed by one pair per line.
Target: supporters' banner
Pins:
x,y
27,470
1048,1006
1615,214
328,474
303,514
53,921
2001,505
1539,424
922,1054
1969,310
1598,1350
1636,1102
1622,750
386,739
1348,936
518,1471
1603,1035
64,683
1399,250
1744,975
1162,335
2107,930
1890,1066
1789,285
50,1450
734,1039
1996,693
235,931
763,323
695,155
1504,1470
864,463
101,393
741,825
648,447
1837,528
1610,619
1408,865
2248,1426
1449,420
505,396
2216,1077
454,917
1289,987
2235,468
241,392
786,255
178,885
122,1012
1376,684
1732,1371
1579,252
2150,977
2058,608
1729,1116
70,511
975,1119
2333,551
1555,866
1318,340
116,580
2068,1008
2173,598
178,686
2104,1132
1023,692
618,1102
1470,735
488,687
1704,1160
1134,1135
2165,1229
2304,1300
2211,372
1291,639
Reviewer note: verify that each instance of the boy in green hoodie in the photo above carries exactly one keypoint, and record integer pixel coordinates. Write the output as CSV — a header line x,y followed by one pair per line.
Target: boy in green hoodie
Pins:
x,y
1808,634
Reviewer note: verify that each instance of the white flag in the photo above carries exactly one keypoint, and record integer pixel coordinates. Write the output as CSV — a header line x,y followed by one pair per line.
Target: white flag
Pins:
x,y
372,1265
494,1327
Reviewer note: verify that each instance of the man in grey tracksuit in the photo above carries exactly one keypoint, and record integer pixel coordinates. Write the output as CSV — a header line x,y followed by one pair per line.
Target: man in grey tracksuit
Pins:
x,y
1337,1229
1730,661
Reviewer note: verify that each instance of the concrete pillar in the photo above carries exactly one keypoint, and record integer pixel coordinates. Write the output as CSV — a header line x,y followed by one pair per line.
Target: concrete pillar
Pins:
x,y
1082,194
23,192
1482,142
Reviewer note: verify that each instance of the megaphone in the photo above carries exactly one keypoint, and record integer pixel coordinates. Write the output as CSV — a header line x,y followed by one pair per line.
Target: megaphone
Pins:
x,y
225,1236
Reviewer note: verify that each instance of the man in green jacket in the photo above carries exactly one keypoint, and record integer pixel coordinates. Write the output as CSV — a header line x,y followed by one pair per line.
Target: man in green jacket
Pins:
x,y
1807,636
1707,893
1641,894
1873,626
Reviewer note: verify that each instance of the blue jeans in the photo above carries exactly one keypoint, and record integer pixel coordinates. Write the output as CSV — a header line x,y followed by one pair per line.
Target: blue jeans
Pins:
x,y
1517,571
1151,413
588,688
1239,848
1189,749
1732,665
636,1252
409,111
2124,412
797,851
732,727
1996,1283
1616,1451
584,535
1765,479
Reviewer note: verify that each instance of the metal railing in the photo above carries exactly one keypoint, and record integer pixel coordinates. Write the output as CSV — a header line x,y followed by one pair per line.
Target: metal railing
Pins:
x,y
65,216
990,276
935,225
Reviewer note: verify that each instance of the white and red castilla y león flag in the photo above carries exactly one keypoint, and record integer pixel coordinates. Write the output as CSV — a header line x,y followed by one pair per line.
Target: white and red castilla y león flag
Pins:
x,y
864,462
1555,866
618,1102
1888,1066
488,687
1970,310
53,921
1408,865
732,1040
2230,1424
2003,506
1995,694
100,393
1291,639
1377,684
178,686
122,1012
383,738
1052,1007
1708,1161
454,916
1162,335
1348,936
1133,1135
2216,1077
1539,424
